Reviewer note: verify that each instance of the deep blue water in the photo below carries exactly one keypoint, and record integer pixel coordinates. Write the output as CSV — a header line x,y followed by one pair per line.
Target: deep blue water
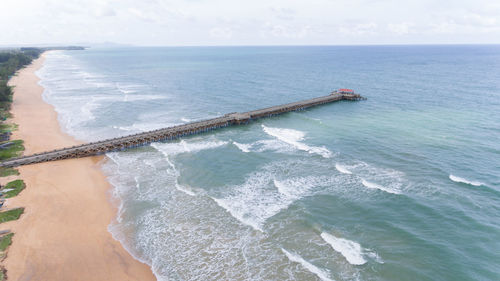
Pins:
x,y
402,186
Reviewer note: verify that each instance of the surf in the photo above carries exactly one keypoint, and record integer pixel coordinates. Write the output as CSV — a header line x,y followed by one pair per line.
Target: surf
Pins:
x,y
307,265
294,138
342,169
462,180
372,185
351,250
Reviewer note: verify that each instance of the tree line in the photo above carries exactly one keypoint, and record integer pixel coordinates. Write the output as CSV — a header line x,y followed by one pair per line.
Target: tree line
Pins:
x,y
10,62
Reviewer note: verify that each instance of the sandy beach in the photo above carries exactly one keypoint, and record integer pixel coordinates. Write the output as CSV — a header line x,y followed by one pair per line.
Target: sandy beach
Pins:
x,y
63,233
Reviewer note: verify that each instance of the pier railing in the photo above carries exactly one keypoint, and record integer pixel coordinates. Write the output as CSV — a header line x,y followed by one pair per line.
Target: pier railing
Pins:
x,y
170,133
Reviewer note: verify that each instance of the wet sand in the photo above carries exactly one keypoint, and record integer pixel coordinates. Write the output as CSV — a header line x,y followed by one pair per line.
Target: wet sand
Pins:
x,y
63,233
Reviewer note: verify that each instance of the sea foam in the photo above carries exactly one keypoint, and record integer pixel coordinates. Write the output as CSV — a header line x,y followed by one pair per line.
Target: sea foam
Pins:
x,y
294,138
351,250
265,193
243,147
462,180
323,275
372,185
342,169
183,146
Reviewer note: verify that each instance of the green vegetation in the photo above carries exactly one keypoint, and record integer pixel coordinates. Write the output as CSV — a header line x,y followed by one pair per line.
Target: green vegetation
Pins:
x,y
10,62
11,215
9,149
5,172
17,186
5,241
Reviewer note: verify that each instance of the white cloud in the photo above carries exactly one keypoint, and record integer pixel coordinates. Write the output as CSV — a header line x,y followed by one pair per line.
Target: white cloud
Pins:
x,y
221,32
359,29
285,31
400,28
259,22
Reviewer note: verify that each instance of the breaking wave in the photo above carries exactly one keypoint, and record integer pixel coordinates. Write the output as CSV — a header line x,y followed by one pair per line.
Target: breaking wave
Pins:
x,y
342,169
380,187
267,192
351,250
173,148
243,147
323,275
294,138
462,180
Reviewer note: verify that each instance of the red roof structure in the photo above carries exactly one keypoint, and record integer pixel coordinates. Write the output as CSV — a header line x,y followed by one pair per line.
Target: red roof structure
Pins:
x,y
346,90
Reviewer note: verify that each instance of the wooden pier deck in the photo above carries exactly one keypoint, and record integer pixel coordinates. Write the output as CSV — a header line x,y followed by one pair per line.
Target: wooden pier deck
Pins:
x,y
170,133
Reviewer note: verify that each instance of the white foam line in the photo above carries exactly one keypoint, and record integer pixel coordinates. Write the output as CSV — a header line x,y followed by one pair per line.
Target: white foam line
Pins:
x,y
351,250
377,186
243,147
462,180
293,138
307,265
342,169
177,185
224,204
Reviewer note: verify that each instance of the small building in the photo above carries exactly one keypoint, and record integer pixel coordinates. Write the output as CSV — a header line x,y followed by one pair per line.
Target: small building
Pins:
x,y
345,91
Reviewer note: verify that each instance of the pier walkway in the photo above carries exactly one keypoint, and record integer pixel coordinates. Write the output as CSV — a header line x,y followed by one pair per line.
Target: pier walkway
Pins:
x,y
170,133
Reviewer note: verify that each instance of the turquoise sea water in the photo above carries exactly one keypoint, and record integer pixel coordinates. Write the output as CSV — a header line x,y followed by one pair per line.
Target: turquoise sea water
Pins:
x,y
402,186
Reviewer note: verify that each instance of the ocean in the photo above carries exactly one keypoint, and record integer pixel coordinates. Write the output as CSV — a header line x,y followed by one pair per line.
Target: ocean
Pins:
x,y
402,186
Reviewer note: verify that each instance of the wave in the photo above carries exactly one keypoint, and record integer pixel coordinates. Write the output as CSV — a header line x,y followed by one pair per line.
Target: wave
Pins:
x,y
293,138
176,173
267,192
295,188
130,88
132,98
264,194
143,127
323,275
253,202
462,180
243,147
178,186
187,147
351,250
342,169
377,186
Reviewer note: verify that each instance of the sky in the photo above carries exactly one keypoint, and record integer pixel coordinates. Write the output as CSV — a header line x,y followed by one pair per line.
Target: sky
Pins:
x,y
252,22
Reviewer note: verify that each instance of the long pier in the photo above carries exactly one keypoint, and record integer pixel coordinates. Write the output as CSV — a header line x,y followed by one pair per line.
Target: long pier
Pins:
x,y
175,132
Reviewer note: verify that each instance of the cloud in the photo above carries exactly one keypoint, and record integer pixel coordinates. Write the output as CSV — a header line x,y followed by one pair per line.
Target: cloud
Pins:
x,y
283,13
257,22
400,28
285,31
221,32
359,29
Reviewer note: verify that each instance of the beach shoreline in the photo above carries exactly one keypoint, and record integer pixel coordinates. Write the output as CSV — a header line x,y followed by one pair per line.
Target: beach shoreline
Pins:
x,y
63,234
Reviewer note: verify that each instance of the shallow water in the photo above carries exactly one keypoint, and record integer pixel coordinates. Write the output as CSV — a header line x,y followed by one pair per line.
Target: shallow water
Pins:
x,y
403,186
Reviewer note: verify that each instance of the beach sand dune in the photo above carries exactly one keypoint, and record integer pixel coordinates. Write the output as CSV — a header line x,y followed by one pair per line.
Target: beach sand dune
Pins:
x,y
63,233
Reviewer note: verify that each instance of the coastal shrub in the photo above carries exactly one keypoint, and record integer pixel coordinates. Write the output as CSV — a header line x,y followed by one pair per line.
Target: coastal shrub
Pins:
x,y
7,128
5,241
10,62
17,186
9,149
11,215
5,172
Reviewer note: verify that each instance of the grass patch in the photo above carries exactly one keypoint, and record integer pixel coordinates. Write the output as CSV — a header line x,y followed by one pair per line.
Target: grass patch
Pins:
x,y
7,128
11,215
16,186
9,149
5,241
5,172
